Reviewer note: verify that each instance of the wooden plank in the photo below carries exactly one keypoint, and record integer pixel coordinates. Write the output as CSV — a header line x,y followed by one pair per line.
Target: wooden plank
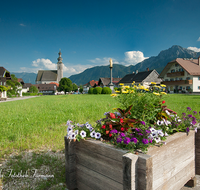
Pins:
x,y
104,149
70,164
197,152
144,172
129,171
95,180
167,159
82,186
100,164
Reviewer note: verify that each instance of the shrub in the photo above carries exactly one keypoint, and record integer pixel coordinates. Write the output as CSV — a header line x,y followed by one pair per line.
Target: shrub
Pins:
x,y
90,91
106,90
97,90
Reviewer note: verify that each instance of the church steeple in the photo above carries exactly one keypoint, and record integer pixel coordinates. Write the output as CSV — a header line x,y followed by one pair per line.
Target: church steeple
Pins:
x,y
59,67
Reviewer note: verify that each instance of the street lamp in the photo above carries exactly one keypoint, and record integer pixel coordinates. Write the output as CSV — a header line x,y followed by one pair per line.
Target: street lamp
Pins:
x,y
111,66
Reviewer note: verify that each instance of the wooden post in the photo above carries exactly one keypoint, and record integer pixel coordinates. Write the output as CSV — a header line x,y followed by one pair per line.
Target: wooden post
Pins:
x,y
197,152
129,171
70,164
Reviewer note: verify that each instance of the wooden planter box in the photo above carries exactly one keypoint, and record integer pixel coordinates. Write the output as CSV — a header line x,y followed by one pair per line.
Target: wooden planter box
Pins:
x,y
91,164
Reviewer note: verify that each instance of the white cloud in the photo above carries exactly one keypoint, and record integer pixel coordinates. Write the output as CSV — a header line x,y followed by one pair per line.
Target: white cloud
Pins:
x,y
198,39
194,49
103,61
44,64
22,24
134,57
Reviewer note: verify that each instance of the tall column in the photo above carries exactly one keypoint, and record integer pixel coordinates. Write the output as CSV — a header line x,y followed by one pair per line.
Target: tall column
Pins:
x,y
59,67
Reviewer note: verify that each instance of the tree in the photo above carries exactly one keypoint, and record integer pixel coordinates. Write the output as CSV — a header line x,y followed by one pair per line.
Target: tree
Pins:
x,y
81,89
74,87
65,85
13,83
33,89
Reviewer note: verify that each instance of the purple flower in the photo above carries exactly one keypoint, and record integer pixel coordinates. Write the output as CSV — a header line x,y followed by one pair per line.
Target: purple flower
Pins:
x,y
138,130
189,109
119,140
193,118
187,129
142,122
194,112
134,140
183,114
150,140
127,140
193,122
145,141
147,131
140,134
122,135
114,131
190,116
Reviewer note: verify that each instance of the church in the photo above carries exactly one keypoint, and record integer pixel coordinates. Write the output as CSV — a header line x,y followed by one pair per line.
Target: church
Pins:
x,y
49,76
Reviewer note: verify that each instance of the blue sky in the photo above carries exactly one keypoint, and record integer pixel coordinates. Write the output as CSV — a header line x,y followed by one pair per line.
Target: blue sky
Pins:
x,y
89,33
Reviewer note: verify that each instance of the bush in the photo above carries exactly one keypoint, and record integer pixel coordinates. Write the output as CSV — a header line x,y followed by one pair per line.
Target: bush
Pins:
x,y
90,91
106,90
97,90
30,94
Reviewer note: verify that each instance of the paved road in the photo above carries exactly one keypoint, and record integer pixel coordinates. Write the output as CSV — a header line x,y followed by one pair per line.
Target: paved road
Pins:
x,y
18,98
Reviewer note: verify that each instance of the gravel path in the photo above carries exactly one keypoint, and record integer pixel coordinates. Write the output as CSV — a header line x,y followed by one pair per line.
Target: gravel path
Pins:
x,y
18,98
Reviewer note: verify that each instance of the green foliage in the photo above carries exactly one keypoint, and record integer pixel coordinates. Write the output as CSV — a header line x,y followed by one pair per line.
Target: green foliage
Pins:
x,y
33,89
74,87
97,90
65,85
90,91
106,90
30,94
81,89
13,85
3,88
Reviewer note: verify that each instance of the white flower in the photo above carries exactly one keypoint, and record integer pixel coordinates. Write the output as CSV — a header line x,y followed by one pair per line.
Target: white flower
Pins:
x,y
83,134
92,134
160,133
152,129
167,112
166,134
91,128
76,132
87,125
157,139
97,135
160,122
72,136
68,122
69,129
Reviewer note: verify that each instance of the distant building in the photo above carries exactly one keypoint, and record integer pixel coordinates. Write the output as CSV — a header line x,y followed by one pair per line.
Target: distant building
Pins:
x,y
182,75
4,76
89,85
46,89
144,78
48,76
104,82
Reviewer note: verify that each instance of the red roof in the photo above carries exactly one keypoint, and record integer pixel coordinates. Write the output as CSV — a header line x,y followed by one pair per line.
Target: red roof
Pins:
x,y
93,82
54,83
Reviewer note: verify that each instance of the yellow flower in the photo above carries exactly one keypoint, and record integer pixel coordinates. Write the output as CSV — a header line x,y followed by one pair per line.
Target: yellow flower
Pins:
x,y
146,89
162,85
121,84
157,94
153,83
114,108
117,91
133,82
127,86
163,93
113,95
124,92
142,87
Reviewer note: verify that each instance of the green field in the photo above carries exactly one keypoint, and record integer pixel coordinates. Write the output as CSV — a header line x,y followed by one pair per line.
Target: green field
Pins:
x,y
40,123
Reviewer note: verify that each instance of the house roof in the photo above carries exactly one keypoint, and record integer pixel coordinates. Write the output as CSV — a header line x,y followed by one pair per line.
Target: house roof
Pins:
x,y
106,81
91,83
27,85
47,75
54,83
46,87
2,73
189,65
140,77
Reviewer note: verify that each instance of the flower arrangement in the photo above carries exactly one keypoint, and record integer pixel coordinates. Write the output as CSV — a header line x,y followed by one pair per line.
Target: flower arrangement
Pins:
x,y
142,121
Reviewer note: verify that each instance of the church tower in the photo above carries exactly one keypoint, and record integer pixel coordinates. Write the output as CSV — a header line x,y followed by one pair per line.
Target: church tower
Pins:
x,y
59,67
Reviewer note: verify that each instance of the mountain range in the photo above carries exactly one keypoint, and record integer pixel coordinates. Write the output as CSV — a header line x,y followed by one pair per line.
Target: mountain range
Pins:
x,y
155,62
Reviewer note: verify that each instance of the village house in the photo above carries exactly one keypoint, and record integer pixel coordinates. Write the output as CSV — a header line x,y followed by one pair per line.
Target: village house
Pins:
x,y
47,89
4,76
144,78
104,82
89,85
182,75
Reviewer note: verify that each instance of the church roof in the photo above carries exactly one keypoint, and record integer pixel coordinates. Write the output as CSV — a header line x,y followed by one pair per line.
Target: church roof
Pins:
x,y
47,75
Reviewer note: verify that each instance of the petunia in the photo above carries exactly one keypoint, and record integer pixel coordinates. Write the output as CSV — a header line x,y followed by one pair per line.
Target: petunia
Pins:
x,y
119,140
145,141
160,133
72,136
157,139
134,140
87,125
163,101
97,135
121,120
122,134
160,122
189,109
184,114
92,134
138,130
91,128
194,112
142,122
112,115
187,129
190,116
76,132
69,129
103,127
114,131
83,134
140,134
127,140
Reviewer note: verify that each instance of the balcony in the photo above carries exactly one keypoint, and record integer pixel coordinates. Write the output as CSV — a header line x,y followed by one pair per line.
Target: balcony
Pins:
x,y
175,74
178,82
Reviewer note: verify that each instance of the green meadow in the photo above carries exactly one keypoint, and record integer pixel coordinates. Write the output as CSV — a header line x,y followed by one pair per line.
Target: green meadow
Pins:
x,y
40,123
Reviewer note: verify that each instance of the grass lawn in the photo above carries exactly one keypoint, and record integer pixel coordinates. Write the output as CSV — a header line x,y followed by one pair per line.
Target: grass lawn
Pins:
x,y
30,128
